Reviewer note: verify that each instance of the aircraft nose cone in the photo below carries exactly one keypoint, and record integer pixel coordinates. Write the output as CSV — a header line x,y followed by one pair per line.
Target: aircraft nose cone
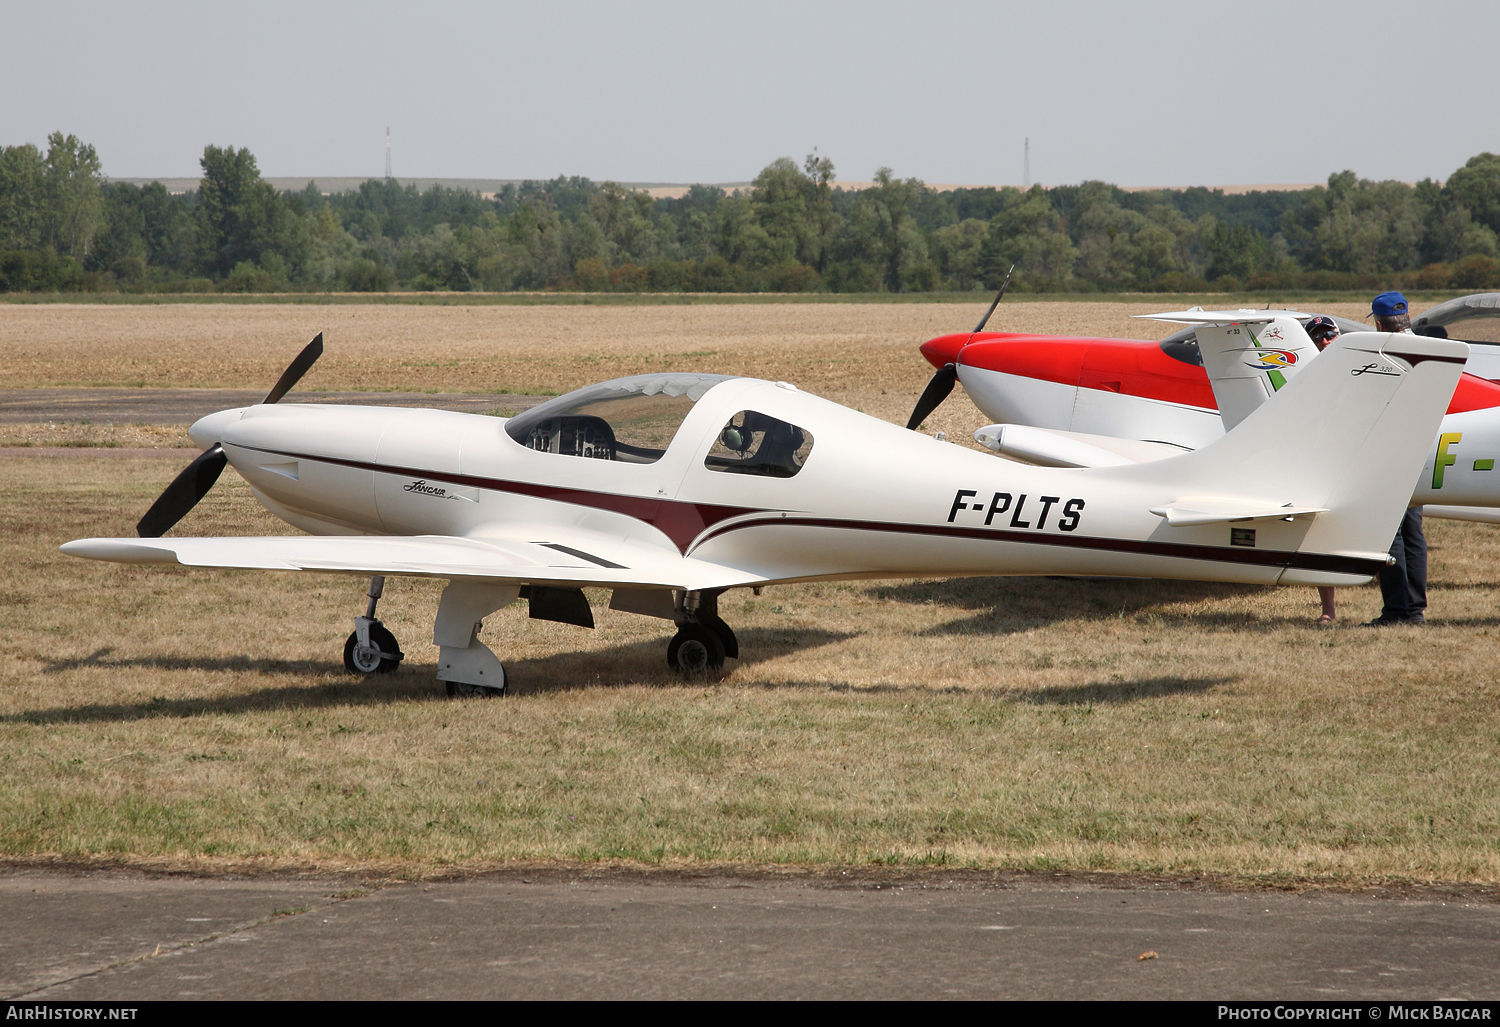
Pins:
x,y
207,431
944,349
1052,359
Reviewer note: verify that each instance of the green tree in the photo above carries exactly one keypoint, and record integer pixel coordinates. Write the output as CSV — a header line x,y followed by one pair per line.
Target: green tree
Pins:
x,y
1476,186
1029,232
1236,251
881,233
75,206
959,250
244,220
824,219
23,197
783,200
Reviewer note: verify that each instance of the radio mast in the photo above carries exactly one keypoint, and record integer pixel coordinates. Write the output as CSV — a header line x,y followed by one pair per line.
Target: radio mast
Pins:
x,y
387,152
1025,163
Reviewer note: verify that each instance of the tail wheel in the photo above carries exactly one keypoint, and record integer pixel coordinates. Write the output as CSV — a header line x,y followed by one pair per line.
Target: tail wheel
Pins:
x,y
696,650
361,660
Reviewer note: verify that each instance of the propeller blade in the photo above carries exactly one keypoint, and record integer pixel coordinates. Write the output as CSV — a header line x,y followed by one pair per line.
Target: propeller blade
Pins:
x,y
998,296
183,494
297,368
932,397
178,498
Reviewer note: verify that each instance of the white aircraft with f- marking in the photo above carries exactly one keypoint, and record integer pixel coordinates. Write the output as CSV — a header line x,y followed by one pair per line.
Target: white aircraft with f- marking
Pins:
x,y
669,489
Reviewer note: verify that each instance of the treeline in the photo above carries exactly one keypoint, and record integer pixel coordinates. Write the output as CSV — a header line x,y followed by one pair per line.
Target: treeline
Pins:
x,y
64,227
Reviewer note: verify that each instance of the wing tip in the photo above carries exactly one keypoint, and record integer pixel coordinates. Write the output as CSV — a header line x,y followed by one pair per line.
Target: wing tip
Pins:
x,y
118,550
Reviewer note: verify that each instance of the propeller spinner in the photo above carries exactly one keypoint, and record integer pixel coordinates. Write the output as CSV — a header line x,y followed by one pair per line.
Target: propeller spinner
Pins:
x,y
178,498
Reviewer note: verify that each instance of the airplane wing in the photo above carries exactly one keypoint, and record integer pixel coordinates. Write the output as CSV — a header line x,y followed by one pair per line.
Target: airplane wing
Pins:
x,y
540,557
1051,447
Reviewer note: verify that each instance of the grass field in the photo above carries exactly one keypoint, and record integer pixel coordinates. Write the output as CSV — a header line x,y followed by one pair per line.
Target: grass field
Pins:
x,y
203,719
1306,299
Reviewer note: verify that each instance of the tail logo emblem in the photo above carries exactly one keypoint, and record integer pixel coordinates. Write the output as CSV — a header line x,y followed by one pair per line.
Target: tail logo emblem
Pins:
x,y
1273,359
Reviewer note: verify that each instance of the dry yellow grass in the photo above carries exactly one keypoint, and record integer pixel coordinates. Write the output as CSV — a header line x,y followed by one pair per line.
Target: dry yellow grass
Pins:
x,y
863,355
96,436
1144,726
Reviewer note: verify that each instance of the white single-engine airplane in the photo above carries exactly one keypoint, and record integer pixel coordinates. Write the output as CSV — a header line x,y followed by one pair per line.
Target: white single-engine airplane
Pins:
x,y
671,488
1073,402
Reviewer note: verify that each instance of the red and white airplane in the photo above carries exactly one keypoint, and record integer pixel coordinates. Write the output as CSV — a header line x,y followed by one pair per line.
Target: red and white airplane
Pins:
x,y
669,489
1088,402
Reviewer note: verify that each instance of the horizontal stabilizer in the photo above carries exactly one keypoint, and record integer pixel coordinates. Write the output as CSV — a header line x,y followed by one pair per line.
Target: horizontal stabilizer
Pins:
x,y
1191,510
1198,316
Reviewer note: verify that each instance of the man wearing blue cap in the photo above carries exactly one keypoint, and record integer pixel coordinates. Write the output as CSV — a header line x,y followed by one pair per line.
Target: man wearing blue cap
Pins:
x,y
1403,586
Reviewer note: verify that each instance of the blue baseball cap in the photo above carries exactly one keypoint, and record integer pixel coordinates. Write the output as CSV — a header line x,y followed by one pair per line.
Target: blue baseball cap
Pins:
x,y
1388,304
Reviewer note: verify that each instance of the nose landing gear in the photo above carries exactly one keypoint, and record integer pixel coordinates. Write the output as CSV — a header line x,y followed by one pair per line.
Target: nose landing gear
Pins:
x,y
370,648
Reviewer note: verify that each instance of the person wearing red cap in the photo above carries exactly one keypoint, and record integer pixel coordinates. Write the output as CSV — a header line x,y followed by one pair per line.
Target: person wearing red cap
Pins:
x,y
1403,585
1323,330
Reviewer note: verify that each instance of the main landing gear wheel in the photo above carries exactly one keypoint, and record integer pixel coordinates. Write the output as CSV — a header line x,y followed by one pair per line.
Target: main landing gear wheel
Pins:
x,y
382,657
459,690
725,633
695,649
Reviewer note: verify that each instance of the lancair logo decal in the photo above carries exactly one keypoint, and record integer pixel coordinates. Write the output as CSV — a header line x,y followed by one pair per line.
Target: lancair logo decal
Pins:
x,y
420,486
1376,369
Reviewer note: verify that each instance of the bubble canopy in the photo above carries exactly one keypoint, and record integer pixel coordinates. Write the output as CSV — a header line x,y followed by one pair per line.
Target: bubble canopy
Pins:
x,y
631,420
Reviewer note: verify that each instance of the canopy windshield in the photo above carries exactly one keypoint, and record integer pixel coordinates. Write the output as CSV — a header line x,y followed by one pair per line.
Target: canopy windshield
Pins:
x,y
629,419
1474,318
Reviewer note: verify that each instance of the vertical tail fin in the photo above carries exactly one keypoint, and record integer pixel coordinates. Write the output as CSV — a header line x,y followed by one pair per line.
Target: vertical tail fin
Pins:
x,y
1248,354
1348,436
1249,362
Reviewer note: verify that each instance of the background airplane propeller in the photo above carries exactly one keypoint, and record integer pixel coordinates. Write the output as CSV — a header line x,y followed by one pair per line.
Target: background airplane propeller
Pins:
x,y
938,388
199,476
941,384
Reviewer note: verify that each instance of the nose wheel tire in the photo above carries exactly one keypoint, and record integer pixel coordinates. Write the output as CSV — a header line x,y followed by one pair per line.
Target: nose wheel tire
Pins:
x,y
695,650
382,659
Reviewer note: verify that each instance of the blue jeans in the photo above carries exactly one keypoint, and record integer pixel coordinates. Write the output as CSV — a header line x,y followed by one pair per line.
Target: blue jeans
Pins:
x,y
1403,586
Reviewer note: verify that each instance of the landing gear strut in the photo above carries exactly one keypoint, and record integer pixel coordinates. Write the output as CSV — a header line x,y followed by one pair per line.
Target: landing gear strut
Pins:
x,y
703,640
370,648
465,664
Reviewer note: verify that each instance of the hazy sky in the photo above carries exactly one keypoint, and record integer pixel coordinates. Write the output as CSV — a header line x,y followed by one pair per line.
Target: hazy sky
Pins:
x,y
1156,93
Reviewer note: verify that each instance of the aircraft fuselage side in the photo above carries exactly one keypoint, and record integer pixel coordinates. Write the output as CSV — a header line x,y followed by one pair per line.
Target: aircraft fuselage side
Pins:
x,y
872,501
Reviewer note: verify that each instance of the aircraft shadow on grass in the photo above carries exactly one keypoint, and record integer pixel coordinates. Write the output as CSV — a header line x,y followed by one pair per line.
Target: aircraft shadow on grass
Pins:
x,y
330,685
1102,693
1095,693
1009,605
